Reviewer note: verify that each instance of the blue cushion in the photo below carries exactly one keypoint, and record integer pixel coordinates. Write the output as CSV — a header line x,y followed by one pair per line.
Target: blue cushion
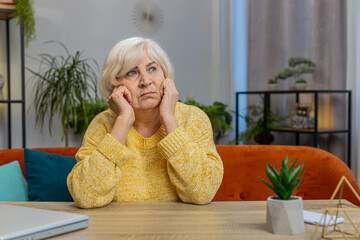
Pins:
x,y
46,174
13,186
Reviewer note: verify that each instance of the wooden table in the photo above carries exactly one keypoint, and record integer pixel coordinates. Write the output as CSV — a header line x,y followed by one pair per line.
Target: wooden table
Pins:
x,y
174,220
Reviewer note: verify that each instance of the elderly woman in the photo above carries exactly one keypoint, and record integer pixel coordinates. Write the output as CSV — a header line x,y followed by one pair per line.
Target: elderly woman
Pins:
x,y
147,146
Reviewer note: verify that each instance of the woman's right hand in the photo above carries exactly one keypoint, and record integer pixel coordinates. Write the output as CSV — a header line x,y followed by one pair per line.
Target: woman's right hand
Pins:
x,y
120,103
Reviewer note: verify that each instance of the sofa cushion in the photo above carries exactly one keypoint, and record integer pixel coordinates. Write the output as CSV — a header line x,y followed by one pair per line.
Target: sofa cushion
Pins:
x,y
13,186
46,174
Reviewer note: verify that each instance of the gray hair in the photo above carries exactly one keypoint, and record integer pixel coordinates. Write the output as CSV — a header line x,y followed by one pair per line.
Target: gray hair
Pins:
x,y
127,54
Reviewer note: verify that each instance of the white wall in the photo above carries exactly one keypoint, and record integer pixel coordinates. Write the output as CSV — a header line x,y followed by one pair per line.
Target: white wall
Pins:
x,y
195,34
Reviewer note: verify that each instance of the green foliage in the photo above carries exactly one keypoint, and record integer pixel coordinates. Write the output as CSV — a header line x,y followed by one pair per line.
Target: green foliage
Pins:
x,y
63,85
24,10
220,118
301,81
285,182
80,122
297,67
272,81
255,122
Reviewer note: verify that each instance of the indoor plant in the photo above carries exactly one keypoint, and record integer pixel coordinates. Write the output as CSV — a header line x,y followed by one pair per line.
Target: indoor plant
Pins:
x,y
219,117
297,67
80,121
300,84
24,10
255,125
272,84
284,212
64,84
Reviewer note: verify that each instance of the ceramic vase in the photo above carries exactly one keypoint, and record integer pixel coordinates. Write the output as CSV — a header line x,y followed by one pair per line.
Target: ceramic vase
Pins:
x,y
260,139
285,217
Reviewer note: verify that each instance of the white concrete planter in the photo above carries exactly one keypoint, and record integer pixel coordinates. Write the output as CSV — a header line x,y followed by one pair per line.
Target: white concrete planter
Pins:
x,y
285,217
271,86
300,86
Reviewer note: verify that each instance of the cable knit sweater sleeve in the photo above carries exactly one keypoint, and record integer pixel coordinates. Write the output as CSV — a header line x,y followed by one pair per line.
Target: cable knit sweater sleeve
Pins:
x,y
194,166
93,179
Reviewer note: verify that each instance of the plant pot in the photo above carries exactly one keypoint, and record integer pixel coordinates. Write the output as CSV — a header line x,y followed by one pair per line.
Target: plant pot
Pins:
x,y
300,86
271,86
285,217
259,138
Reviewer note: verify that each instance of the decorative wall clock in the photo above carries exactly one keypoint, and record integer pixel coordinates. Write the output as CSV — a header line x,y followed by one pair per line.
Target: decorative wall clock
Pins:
x,y
147,16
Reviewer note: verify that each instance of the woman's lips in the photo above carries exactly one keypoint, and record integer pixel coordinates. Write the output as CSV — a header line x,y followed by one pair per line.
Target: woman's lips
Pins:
x,y
147,94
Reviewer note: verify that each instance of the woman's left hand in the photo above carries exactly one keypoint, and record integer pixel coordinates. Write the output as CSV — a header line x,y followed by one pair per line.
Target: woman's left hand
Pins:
x,y
169,99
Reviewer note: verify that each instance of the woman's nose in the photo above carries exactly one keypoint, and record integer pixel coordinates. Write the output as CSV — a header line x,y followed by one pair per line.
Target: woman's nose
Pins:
x,y
145,80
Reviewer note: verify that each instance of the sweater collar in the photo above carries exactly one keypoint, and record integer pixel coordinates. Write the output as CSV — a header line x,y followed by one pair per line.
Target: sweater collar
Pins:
x,y
146,143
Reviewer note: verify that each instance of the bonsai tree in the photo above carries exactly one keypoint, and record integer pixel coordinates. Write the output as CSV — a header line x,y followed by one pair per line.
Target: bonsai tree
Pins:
x,y
220,118
64,85
285,182
272,81
255,122
297,67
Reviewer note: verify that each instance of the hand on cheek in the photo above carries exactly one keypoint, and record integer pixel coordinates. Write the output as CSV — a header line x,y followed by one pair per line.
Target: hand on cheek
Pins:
x,y
169,99
162,90
120,102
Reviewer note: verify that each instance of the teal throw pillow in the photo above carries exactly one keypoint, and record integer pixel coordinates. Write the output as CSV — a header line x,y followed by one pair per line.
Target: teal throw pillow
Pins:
x,y
46,174
13,186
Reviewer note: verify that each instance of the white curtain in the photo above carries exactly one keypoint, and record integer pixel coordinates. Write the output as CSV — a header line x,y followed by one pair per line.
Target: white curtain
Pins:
x,y
353,78
315,29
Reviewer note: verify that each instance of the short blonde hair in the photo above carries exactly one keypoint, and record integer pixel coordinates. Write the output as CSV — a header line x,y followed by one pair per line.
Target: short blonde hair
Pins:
x,y
127,54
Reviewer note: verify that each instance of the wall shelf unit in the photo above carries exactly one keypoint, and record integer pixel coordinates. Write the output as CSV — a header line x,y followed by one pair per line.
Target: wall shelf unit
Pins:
x,y
7,15
316,131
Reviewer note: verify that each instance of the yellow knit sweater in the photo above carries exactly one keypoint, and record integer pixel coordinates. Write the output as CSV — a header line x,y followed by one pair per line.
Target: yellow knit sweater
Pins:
x,y
182,166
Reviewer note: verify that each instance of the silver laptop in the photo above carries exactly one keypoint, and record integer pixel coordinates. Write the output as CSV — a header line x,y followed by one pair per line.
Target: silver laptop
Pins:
x,y
30,223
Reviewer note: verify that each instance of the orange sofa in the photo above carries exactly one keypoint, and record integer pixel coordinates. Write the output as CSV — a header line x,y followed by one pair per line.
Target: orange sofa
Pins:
x,y
244,164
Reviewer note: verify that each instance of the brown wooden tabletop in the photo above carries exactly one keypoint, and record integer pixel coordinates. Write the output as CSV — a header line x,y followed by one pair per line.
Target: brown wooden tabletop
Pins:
x,y
174,220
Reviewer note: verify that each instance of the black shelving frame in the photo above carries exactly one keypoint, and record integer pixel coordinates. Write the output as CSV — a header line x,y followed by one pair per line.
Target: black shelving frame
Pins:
x,y
7,15
315,131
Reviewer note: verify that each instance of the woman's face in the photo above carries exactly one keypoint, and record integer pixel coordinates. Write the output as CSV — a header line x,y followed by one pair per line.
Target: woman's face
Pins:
x,y
144,83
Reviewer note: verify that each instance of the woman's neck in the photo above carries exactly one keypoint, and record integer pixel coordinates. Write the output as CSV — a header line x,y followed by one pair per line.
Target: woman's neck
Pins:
x,y
147,123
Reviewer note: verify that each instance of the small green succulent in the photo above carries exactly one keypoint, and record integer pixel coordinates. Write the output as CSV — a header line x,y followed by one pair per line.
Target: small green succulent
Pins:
x,y
285,182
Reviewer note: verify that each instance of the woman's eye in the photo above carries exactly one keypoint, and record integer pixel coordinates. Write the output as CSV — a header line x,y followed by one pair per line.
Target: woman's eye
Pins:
x,y
152,69
132,74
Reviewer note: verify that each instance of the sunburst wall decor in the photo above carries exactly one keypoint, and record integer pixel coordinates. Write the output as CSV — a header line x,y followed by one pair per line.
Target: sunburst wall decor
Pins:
x,y
147,16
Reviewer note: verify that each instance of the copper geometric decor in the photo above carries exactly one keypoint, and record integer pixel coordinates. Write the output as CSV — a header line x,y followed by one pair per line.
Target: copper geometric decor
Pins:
x,y
347,230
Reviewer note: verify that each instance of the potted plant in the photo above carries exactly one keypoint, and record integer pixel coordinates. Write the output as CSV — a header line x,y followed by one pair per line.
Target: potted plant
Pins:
x,y
297,67
219,117
284,212
271,84
24,10
80,121
300,84
256,127
63,86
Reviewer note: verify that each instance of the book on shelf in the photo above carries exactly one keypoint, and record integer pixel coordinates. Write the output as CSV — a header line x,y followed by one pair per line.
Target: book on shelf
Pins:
x,y
7,6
